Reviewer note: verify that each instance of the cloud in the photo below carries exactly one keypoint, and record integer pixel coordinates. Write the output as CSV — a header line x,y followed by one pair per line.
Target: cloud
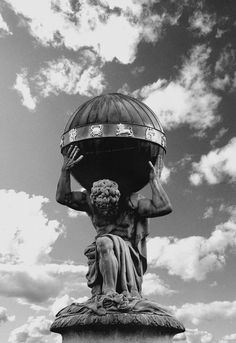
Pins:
x,y
61,76
222,83
69,77
198,336
218,165
125,89
35,330
4,29
97,25
27,238
222,131
208,212
74,214
183,162
187,100
39,282
201,312
226,59
165,174
22,87
228,338
225,70
137,70
28,235
152,284
194,336
202,23
4,317
230,209
214,284
195,256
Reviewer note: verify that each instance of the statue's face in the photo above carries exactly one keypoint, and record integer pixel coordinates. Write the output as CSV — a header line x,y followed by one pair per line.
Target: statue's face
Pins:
x,y
105,197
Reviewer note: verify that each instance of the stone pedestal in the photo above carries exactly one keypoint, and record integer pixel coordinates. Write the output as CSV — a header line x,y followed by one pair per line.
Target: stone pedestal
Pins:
x,y
117,328
115,336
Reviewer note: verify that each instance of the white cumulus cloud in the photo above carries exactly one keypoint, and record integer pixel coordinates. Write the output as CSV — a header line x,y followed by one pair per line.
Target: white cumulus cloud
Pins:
x,y
23,88
199,336
165,174
218,165
200,312
228,338
27,238
38,283
152,284
61,76
35,330
225,69
208,212
195,256
187,100
69,77
74,214
98,25
27,234
202,23
194,336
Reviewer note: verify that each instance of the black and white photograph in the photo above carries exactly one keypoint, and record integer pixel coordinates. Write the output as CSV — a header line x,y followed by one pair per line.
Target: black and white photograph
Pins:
x,y
118,171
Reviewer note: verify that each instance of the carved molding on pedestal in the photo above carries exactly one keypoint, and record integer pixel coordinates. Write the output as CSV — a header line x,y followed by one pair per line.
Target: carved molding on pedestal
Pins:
x,y
112,312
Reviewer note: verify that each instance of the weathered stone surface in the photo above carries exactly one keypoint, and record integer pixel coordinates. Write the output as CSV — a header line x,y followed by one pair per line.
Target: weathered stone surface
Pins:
x,y
117,259
157,324
107,314
115,336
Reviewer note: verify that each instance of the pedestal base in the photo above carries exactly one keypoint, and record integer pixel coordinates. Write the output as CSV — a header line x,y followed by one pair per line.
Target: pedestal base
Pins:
x,y
117,328
116,319
115,336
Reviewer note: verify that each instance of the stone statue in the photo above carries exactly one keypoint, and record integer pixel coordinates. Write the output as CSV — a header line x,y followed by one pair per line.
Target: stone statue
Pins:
x,y
117,259
118,136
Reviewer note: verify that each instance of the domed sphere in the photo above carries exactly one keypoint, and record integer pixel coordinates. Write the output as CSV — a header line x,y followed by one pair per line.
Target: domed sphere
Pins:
x,y
118,135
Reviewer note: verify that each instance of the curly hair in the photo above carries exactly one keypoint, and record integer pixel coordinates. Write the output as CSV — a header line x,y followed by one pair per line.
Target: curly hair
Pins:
x,y
105,196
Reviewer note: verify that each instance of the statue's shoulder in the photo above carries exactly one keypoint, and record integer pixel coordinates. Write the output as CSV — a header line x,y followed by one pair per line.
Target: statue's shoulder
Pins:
x,y
134,199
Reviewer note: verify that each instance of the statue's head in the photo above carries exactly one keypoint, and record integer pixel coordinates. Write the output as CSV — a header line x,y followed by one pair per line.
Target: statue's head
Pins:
x,y
105,196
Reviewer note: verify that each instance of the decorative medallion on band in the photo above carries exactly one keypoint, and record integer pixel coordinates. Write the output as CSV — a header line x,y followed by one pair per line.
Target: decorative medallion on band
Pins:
x,y
113,130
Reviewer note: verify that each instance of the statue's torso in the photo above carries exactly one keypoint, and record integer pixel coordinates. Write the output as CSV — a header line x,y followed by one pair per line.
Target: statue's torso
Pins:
x,y
121,225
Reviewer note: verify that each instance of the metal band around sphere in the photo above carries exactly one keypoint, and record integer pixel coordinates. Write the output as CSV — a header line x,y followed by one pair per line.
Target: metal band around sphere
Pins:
x,y
114,130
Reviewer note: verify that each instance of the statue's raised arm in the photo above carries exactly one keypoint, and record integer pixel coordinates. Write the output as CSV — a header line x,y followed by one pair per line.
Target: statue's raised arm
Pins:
x,y
160,204
64,195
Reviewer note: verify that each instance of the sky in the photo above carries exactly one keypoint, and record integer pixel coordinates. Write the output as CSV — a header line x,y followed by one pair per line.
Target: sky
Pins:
x,y
179,58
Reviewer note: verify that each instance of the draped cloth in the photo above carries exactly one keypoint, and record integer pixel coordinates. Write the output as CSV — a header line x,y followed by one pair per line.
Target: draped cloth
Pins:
x,y
132,261
128,298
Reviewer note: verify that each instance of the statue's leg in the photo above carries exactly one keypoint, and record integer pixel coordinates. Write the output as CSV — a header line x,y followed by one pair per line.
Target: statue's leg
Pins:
x,y
93,276
108,264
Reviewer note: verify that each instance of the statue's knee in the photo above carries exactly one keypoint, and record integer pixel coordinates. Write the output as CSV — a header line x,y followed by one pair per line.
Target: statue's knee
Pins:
x,y
104,245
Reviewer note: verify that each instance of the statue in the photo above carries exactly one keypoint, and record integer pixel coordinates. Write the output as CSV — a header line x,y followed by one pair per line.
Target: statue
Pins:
x,y
117,258
113,145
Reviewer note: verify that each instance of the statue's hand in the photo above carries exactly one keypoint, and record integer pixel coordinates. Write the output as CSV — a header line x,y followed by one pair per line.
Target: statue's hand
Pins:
x,y
152,173
72,157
